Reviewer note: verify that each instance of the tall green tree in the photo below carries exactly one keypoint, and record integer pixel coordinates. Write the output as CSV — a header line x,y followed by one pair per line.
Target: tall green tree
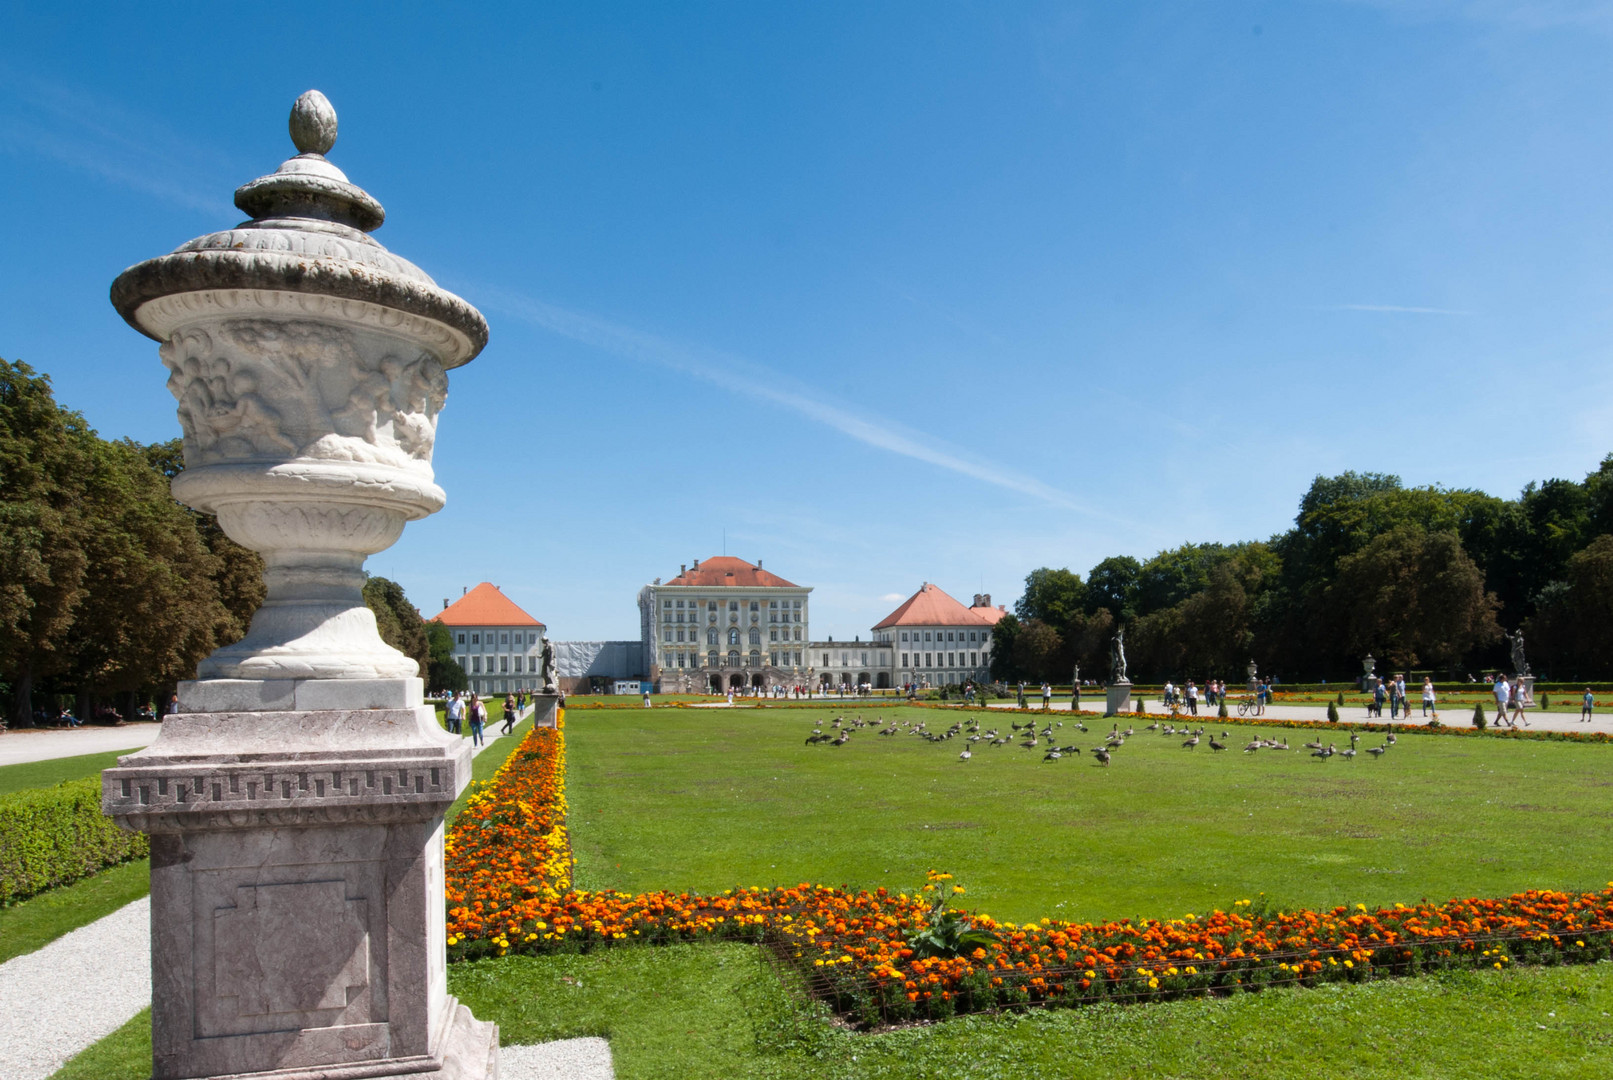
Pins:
x,y
1572,633
443,672
1056,597
1112,584
398,620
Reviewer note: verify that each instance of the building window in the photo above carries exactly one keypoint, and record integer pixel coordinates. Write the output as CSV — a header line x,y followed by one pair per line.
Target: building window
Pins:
x,y
733,635
733,657
904,659
797,635
972,636
711,605
772,658
825,659
755,636
952,659
772,635
733,605
462,639
798,605
771,604
711,637
904,635
666,604
680,605
797,659
754,606
864,659
974,659
711,658
926,635
755,658
476,665
929,660
504,639
476,639
666,635
797,616
504,665
680,635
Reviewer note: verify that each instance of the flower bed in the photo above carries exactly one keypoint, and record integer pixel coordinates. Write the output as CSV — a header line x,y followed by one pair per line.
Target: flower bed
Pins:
x,y
881,957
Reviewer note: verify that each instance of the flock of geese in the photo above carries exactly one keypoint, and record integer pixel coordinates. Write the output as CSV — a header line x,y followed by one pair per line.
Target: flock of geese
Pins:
x,y
1047,738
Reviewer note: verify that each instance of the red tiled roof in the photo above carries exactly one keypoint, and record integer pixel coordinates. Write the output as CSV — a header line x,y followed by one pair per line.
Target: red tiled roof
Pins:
x,y
993,615
725,571
930,606
484,606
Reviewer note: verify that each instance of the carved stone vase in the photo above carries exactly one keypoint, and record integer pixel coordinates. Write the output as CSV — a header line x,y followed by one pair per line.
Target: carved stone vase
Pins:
x,y
295,801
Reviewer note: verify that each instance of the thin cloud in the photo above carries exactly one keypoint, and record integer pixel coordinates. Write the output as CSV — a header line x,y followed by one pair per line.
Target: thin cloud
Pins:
x,y
753,380
43,119
892,598
1398,310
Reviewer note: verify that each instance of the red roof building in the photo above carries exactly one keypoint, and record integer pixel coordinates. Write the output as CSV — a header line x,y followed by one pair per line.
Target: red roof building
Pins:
x,y
724,623
498,644
937,641
727,572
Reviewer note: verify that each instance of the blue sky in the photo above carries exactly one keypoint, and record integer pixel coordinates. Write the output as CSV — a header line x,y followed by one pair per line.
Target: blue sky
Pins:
x,y
883,293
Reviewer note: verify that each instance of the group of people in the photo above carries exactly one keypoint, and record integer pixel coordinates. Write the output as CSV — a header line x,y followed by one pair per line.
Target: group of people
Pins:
x,y
1393,691
470,708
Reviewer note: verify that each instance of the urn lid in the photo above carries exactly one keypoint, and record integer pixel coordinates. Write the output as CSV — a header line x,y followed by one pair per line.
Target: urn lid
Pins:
x,y
308,234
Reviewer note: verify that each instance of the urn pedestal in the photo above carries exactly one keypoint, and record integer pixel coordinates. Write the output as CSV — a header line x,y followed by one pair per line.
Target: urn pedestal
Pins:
x,y
295,800
1118,699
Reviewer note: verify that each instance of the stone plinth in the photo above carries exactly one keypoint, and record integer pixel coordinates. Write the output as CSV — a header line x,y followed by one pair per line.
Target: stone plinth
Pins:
x,y
1119,698
545,708
297,895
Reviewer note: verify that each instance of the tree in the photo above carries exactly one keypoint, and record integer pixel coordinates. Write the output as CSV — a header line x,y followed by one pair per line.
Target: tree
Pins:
x,y
1112,584
1573,631
1412,596
398,620
1056,597
1037,651
443,672
1004,640
43,459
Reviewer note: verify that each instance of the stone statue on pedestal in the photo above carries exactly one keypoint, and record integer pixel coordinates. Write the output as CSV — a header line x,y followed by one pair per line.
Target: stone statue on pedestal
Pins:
x,y
295,798
546,666
1520,666
1117,656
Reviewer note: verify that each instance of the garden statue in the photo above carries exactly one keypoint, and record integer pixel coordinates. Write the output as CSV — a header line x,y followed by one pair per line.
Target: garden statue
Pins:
x,y
1369,667
1519,665
1117,655
1075,679
294,800
551,684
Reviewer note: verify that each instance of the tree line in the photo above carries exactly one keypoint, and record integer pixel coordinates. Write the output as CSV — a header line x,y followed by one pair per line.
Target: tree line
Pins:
x,y
1422,578
110,590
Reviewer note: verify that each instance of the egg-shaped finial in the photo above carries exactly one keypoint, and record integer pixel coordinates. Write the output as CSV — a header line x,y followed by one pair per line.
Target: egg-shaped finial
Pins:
x,y
313,123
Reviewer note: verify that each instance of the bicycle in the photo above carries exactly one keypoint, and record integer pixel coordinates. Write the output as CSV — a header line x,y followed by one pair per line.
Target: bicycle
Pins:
x,y
1250,705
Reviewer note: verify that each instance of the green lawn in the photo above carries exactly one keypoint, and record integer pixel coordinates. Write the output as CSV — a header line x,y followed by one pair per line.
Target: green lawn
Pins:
x,y
34,774
709,799
715,1011
33,923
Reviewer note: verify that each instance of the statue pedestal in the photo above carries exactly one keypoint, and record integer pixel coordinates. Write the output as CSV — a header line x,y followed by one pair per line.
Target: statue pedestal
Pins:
x,y
1528,689
1119,698
545,707
297,895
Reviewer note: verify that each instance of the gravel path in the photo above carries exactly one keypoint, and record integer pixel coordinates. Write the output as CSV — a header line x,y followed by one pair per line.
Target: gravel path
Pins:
x,y
30,744
563,1059
81,987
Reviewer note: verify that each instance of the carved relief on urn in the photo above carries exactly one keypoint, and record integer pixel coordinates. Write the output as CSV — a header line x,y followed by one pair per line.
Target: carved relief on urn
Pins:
x,y
309,365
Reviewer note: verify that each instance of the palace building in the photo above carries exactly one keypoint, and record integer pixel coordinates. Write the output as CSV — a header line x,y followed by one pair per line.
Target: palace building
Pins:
x,y
499,645
724,623
936,641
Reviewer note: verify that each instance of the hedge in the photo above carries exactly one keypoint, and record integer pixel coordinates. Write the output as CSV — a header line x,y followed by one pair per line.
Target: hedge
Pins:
x,y
58,835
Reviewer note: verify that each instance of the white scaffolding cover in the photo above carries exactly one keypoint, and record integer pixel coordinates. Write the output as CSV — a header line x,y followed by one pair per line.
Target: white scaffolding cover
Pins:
x,y
607,659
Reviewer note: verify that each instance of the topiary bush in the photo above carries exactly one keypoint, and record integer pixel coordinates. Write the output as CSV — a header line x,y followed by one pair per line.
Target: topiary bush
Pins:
x,y
1478,716
1341,698
1545,701
1332,713
58,835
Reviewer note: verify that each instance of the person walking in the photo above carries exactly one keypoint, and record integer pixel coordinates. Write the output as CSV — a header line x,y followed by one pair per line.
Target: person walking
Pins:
x,y
456,713
1501,691
1047,697
1377,700
1515,696
1192,697
478,717
511,711
1428,696
1587,706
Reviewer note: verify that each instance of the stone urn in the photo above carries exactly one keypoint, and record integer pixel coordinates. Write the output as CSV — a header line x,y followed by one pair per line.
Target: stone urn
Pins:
x,y
309,366
295,800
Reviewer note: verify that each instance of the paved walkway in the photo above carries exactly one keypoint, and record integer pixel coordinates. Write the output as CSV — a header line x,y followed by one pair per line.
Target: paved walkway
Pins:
x,y
43,744
1451,716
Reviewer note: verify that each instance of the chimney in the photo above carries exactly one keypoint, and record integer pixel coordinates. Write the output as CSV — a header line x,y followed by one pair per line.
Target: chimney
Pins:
x,y
758,564
463,589
683,568
697,564
445,603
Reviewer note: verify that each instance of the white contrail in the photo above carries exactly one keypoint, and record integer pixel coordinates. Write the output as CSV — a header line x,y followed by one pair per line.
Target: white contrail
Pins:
x,y
743,376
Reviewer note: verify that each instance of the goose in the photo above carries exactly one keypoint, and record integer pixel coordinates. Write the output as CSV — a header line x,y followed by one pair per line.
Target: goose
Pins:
x,y
1191,743
1052,755
1080,726
1377,751
1069,749
1252,747
1102,754
1152,727
1216,746
1354,738
1129,732
1350,753
1314,745
965,756
1323,754
1389,738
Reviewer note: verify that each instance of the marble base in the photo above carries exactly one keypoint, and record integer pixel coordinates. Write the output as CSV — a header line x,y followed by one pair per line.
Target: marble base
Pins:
x,y
1119,698
545,707
306,695
297,895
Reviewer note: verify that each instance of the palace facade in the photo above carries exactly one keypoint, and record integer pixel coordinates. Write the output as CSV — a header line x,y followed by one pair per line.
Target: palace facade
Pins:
x,y
724,624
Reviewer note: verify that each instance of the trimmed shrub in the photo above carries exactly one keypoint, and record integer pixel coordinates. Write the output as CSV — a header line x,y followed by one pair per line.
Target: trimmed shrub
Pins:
x,y
1545,701
58,835
1341,698
1332,713
1478,716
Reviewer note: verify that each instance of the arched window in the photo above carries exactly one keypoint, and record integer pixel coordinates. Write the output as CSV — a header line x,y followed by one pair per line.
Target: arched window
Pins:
x,y
755,635
711,636
711,658
733,657
755,658
733,635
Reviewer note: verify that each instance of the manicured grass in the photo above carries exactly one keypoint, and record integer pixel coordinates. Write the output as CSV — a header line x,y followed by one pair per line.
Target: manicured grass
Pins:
x,y
710,799
716,1011
37,921
32,774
